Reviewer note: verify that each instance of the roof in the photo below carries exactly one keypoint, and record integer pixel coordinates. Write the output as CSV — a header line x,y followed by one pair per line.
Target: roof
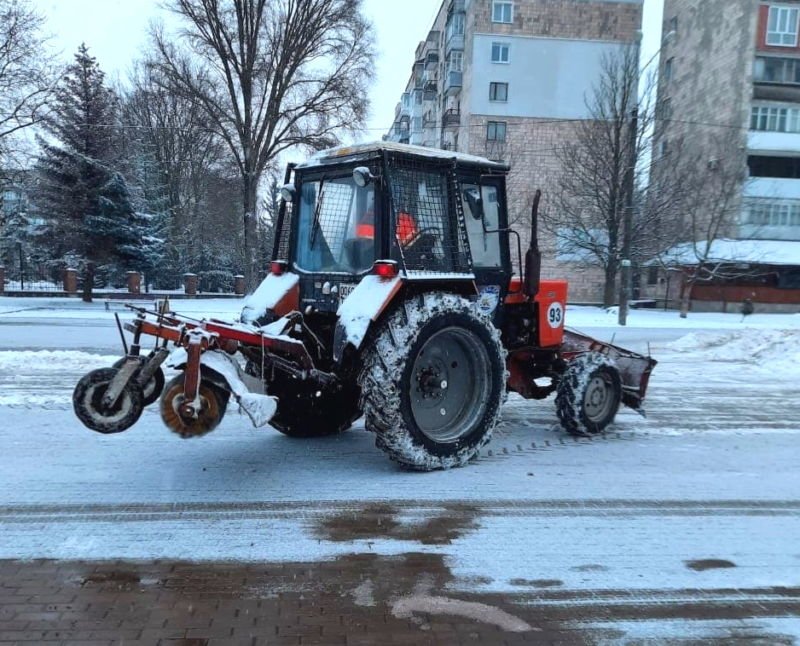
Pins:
x,y
756,252
372,148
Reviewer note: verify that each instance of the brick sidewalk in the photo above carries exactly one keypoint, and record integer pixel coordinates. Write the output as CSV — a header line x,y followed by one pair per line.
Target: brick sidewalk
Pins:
x,y
353,600
221,603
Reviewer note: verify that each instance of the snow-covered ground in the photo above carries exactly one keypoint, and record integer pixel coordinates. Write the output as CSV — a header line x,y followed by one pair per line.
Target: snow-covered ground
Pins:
x,y
699,498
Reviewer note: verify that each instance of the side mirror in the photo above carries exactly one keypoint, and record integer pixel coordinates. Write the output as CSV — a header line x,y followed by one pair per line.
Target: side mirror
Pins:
x,y
473,197
288,192
362,176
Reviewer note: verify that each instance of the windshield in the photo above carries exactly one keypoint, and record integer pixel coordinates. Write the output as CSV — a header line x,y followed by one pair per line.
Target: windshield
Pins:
x,y
336,231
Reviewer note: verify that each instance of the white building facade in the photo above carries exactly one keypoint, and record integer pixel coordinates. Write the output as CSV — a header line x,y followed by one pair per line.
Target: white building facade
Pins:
x,y
506,79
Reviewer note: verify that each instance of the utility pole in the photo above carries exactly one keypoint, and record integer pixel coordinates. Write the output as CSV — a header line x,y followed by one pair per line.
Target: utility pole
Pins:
x,y
627,221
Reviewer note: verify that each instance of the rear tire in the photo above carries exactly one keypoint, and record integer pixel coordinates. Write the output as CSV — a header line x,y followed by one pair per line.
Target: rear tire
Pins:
x,y
433,381
87,401
588,395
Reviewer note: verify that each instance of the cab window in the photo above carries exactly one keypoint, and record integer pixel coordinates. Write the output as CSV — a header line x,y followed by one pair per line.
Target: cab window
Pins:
x,y
485,247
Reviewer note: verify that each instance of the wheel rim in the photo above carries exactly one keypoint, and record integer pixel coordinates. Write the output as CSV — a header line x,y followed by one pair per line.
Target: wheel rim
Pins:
x,y
93,401
450,385
599,399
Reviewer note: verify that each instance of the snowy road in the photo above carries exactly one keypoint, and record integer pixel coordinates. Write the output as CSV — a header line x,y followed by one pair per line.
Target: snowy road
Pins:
x,y
683,525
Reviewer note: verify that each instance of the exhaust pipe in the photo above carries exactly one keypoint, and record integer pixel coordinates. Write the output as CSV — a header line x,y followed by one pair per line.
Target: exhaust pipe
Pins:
x,y
533,257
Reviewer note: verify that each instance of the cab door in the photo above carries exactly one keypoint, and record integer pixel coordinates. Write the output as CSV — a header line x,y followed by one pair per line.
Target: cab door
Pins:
x,y
488,237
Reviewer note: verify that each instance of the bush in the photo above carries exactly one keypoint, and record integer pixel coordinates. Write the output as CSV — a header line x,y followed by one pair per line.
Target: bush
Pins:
x,y
216,280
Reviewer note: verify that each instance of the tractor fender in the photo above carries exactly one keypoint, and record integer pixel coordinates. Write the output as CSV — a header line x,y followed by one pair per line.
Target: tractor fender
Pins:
x,y
360,309
279,294
222,370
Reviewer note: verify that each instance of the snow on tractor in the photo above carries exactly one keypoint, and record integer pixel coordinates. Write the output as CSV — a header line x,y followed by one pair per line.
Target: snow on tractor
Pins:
x,y
391,295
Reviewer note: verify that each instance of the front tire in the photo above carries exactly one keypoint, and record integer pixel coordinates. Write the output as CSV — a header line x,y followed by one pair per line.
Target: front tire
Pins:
x,y
312,412
87,401
588,395
433,382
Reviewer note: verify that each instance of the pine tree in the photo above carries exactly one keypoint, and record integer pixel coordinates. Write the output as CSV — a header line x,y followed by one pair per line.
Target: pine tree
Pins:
x,y
86,203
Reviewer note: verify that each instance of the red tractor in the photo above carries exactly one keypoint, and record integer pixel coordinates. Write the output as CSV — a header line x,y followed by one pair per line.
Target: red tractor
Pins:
x,y
391,295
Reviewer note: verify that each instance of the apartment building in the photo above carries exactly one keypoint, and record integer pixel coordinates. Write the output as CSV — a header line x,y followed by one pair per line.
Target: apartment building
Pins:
x,y
506,79
731,68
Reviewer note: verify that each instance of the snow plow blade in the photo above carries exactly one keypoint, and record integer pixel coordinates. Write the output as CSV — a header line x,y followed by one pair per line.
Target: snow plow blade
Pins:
x,y
634,369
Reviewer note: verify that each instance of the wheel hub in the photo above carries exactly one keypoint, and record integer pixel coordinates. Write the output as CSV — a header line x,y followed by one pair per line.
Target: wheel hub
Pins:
x,y
598,398
450,384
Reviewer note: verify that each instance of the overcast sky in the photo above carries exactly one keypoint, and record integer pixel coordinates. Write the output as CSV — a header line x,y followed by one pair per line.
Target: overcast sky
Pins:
x,y
116,33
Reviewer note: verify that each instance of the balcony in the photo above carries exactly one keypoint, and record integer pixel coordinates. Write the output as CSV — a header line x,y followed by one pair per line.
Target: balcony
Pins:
x,y
431,61
453,82
455,41
429,120
774,188
770,219
451,118
773,142
430,91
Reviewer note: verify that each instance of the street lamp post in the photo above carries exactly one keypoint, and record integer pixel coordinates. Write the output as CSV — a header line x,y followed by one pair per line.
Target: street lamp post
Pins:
x,y
626,275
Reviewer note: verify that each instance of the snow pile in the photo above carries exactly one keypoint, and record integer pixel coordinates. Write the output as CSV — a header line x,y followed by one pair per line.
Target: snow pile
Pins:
x,y
44,378
767,349
52,361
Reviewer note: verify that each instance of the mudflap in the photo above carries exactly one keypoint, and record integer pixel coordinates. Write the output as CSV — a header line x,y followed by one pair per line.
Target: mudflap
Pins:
x,y
223,371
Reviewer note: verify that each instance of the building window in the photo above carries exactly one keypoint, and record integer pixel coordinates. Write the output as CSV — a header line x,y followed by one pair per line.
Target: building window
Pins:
x,y
777,70
663,148
498,91
782,26
664,109
652,275
496,131
673,25
455,26
775,119
456,61
668,69
500,52
772,213
502,11
775,167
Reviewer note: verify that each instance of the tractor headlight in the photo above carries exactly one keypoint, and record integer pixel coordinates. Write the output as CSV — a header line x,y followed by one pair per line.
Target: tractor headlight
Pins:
x,y
362,177
288,192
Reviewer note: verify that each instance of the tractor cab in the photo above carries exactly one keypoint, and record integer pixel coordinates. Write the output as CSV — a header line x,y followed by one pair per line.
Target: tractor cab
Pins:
x,y
431,215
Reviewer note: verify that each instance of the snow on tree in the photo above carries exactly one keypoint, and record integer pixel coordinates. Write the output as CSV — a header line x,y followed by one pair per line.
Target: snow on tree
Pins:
x,y
86,203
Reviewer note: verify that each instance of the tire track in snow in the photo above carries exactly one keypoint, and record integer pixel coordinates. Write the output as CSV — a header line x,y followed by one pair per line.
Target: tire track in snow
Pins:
x,y
144,512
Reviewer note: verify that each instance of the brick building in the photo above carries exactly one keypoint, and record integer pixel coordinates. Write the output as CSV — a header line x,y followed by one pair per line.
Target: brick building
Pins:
x,y
731,68
506,80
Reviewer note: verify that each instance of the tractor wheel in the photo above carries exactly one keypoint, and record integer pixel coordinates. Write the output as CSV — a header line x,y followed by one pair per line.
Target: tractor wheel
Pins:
x,y
588,395
87,400
433,382
213,401
154,387
306,413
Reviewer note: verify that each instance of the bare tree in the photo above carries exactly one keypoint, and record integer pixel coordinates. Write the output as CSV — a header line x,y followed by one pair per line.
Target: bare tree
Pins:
x,y
177,151
587,212
270,76
706,210
26,76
